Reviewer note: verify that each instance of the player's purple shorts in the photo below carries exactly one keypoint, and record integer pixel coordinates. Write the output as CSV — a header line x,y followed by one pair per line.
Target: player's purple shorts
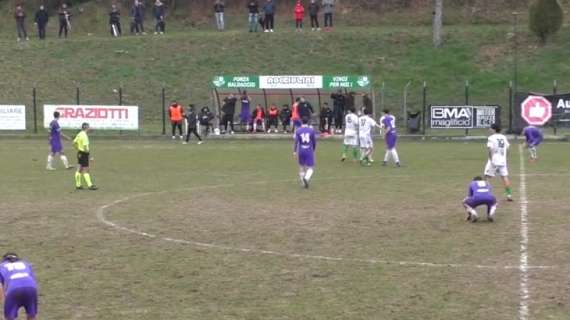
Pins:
x,y
306,158
474,202
391,139
297,123
245,116
56,146
26,298
534,142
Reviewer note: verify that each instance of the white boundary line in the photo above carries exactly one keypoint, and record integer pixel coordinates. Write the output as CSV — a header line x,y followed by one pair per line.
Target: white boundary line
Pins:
x,y
524,288
103,219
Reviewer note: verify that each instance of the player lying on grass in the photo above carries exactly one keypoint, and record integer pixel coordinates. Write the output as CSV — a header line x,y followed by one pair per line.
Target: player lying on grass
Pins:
x,y
19,287
304,150
533,137
480,193
81,143
498,146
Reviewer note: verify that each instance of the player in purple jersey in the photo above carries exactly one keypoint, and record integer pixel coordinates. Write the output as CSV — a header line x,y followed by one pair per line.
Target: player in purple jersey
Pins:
x,y
480,193
19,287
388,124
304,150
533,137
56,147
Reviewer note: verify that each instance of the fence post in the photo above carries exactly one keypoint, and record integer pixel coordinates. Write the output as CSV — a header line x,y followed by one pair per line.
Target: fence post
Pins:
x,y
466,101
163,107
121,96
77,101
34,106
406,103
382,92
424,101
555,91
511,98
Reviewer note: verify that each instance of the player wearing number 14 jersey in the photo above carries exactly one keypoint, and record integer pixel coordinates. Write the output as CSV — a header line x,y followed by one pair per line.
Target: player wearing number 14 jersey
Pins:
x,y
498,147
304,150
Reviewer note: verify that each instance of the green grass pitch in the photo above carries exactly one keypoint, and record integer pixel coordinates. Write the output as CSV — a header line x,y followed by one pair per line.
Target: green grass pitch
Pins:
x,y
225,231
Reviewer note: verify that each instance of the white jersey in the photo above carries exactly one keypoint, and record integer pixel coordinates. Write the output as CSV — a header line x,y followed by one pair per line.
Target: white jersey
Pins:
x,y
498,145
365,126
351,124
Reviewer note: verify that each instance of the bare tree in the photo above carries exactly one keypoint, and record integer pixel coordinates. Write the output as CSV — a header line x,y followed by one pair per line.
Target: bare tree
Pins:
x,y
438,24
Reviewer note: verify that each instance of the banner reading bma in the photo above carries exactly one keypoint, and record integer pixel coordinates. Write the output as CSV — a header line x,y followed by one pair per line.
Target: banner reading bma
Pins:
x,y
463,117
12,117
98,117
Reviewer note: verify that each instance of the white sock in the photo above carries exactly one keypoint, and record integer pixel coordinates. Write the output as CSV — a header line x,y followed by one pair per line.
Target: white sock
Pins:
x,y
492,211
387,156
362,154
64,160
309,174
395,155
301,173
532,152
49,161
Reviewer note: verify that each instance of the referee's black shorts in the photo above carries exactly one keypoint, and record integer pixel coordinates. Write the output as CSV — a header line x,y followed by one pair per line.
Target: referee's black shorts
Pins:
x,y
83,159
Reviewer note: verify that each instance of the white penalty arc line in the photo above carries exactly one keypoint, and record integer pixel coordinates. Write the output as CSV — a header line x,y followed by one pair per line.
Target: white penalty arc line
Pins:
x,y
524,267
103,219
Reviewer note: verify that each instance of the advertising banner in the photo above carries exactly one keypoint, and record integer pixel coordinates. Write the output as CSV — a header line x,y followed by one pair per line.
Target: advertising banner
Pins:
x,y
290,82
346,82
242,82
99,117
12,117
451,117
330,82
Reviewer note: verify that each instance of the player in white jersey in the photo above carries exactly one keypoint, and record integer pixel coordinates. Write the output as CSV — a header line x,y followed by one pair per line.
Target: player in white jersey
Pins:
x,y
365,126
498,147
350,135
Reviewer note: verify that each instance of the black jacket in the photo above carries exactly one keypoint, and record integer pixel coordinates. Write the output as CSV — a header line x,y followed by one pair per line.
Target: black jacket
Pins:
x,y
219,7
229,106
338,102
285,114
326,113
253,7
114,17
41,18
314,9
191,119
305,110
205,116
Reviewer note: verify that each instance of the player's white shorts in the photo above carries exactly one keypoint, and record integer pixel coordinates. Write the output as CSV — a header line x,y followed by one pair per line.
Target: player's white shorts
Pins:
x,y
351,140
366,142
491,170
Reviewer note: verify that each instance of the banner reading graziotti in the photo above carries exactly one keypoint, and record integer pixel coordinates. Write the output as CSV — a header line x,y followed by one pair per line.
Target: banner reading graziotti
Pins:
x,y
12,117
98,117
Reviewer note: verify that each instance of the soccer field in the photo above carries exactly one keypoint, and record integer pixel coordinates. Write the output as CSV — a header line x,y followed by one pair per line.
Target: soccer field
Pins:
x,y
225,231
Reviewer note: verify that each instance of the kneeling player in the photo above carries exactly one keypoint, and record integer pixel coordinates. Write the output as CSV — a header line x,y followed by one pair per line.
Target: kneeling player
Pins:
x,y
533,137
480,193
304,150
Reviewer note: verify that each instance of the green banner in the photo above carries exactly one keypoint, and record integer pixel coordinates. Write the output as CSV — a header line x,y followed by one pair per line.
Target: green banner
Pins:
x,y
243,82
292,82
346,82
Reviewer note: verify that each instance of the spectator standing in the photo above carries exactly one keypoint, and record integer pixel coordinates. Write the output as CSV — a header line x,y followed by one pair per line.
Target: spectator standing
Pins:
x,y
191,124
367,103
137,16
176,112
64,20
273,118
41,20
285,116
338,110
299,16
205,117
328,9
20,16
115,21
326,118
245,114
159,15
253,15
314,14
219,12
229,110
305,110
295,118
269,10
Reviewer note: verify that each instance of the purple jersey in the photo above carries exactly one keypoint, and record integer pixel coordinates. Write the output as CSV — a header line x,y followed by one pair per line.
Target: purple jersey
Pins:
x,y
305,146
480,193
55,136
18,274
533,135
388,122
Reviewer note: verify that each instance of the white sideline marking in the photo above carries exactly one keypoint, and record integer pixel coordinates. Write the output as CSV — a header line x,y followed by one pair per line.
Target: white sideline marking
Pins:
x,y
101,217
524,289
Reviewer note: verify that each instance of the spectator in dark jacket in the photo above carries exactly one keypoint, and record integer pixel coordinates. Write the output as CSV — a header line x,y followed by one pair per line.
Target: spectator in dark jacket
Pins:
x,y
137,16
205,117
305,109
64,20
191,124
20,16
115,21
326,118
269,10
338,110
314,14
285,116
41,21
159,15
229,110
219,12
253,14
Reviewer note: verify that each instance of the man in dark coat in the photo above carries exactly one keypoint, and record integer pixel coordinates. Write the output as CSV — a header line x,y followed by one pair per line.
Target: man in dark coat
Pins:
x,y
41,21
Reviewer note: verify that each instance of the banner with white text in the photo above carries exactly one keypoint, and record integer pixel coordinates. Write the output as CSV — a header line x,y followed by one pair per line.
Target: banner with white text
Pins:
x,y
12,117
99,117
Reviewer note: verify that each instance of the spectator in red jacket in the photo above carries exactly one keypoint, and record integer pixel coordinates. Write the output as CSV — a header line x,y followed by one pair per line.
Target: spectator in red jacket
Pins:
x,y
299,15
273,118
258,118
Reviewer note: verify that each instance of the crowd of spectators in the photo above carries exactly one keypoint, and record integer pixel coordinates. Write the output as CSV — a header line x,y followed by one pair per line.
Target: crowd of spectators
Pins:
x,y
260,15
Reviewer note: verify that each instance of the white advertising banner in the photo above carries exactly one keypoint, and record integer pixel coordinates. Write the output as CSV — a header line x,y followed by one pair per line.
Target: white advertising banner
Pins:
x,y
290,82
98,117
12,117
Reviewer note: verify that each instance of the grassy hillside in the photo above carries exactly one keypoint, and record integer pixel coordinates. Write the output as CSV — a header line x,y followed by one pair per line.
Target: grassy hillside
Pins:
x,y
186,58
